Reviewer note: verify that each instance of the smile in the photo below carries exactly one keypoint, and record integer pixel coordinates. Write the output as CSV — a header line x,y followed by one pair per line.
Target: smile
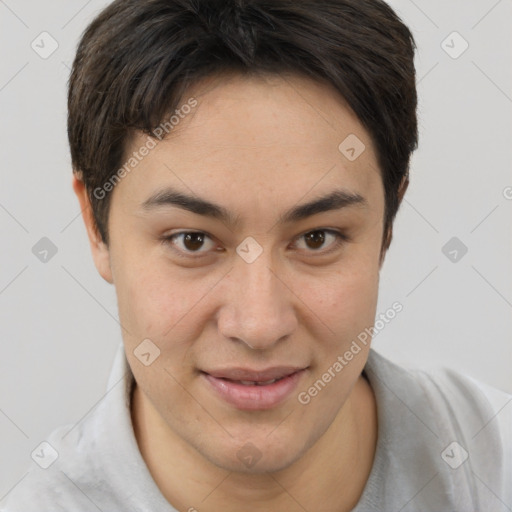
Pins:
x,y
253,394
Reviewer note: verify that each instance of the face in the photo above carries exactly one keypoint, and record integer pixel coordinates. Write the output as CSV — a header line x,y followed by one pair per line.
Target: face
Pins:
x,y
258,286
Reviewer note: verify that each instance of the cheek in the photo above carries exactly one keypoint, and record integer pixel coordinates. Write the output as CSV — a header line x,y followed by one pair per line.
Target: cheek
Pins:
x,y
162,302
347,305
346,299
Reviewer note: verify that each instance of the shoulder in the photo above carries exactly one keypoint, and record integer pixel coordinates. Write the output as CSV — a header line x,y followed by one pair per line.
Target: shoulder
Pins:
x,y
447,425
73,467
479,418
458,401
48,481
94,464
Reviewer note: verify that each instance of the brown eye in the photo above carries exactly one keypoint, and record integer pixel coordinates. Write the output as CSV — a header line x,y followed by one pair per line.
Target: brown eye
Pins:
x,y
193,241
315,240
189,242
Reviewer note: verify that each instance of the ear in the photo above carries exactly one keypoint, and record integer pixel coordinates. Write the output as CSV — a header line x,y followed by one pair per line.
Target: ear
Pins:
x,y
99,249
389,232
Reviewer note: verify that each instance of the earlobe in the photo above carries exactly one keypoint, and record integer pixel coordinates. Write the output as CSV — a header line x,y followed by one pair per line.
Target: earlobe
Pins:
x,y
99,249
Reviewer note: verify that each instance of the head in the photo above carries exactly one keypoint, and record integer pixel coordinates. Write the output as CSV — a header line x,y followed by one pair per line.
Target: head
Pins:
x,y
240,165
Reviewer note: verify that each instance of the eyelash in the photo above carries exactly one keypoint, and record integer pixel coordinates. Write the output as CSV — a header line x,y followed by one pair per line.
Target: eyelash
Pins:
x,y
341,238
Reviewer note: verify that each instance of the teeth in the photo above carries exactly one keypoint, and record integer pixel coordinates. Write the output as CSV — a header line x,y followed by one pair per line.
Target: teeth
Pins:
x,y
253,383
267,382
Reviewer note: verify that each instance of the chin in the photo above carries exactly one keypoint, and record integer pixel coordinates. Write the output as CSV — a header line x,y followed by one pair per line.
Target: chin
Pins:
x,y
259,454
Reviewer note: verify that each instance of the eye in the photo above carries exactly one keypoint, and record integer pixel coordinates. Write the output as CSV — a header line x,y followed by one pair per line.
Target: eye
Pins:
x,y
317,239
189,242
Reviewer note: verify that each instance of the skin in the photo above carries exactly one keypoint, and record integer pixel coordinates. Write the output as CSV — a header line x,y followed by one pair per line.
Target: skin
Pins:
x,y
258,147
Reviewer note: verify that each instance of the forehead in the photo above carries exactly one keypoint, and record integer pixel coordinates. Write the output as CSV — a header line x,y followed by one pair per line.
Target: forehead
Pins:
x,y
263,133
267,110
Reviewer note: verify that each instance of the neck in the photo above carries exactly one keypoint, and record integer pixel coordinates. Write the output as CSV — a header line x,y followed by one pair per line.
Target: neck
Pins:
x,y
333,472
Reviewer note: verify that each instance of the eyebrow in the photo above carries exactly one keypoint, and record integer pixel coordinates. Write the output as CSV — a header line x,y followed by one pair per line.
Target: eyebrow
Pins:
x,y
335,200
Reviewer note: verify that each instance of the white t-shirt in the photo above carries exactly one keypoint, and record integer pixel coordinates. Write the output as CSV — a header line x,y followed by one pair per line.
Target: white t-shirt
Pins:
x,y
444,445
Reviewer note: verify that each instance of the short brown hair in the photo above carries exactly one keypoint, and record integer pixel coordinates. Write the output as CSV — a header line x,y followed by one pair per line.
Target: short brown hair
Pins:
x,y
137,58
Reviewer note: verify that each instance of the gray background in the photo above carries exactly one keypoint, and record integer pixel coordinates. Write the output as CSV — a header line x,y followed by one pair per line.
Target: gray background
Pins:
x,y
58,324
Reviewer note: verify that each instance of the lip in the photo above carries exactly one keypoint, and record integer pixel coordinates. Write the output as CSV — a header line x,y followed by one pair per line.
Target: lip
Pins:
x,y
263,375
257,396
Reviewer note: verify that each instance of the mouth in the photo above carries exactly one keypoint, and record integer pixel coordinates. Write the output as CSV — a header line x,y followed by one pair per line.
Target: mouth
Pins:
x,y
255,391
254,382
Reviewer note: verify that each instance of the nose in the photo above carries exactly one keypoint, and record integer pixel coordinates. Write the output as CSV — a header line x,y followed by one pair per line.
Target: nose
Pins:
x,y
259,311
